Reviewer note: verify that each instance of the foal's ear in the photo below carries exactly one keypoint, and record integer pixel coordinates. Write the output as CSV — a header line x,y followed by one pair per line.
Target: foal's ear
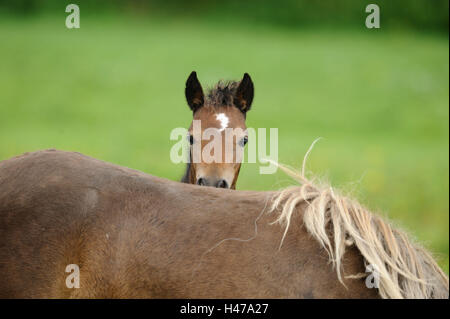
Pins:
x,y
244,94
194,92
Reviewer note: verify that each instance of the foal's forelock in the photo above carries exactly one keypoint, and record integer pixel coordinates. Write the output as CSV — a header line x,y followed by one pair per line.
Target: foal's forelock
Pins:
x,y
222,94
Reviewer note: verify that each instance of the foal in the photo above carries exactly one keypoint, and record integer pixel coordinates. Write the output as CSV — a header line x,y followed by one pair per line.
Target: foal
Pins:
x,y
218,120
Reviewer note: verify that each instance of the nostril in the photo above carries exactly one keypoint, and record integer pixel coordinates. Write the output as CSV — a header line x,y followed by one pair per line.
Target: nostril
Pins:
x,y
222,184
201,181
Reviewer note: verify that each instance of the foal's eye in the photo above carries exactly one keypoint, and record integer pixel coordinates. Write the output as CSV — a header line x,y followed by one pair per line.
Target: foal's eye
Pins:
x,y
243,141
190,139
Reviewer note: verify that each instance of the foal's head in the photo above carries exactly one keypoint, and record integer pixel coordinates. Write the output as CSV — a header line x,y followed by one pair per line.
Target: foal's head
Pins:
x,y
222,135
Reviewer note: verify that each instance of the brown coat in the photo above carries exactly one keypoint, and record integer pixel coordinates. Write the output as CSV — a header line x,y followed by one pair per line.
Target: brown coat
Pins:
x,y
134,235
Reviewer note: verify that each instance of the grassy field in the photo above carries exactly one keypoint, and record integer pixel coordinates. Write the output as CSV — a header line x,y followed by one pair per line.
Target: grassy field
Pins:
x,y
114,90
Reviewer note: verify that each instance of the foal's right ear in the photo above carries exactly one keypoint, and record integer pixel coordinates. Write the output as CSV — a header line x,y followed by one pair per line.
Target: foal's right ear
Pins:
x,y
194,92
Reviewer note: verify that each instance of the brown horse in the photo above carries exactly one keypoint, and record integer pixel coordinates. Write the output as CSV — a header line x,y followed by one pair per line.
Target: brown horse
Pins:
x,y
224,108
138,236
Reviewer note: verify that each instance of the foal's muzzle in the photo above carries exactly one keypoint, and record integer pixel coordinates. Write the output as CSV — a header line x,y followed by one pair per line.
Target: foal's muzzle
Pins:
x,y
212,182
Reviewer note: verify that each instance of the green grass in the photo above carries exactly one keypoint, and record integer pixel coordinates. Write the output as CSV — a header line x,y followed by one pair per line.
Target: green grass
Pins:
x,y
114,90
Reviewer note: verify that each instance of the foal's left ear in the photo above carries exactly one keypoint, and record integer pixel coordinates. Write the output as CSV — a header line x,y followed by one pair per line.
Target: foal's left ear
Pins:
x,y
244,94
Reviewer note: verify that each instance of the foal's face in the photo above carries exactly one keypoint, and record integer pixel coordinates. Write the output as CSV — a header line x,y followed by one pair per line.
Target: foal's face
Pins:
x,y
218,133
224,127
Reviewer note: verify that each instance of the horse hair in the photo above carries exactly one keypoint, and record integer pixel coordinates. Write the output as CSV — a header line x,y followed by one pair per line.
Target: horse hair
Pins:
x,y
406,270
222,94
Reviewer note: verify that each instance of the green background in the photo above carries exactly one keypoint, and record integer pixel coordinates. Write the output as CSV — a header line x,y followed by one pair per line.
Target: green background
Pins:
x,y
114,90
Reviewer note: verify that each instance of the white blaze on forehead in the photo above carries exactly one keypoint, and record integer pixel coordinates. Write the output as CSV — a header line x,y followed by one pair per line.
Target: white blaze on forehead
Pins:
x,y
223,119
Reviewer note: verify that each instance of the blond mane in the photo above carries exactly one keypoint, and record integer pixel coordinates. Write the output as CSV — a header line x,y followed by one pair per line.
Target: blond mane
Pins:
x,y
405,269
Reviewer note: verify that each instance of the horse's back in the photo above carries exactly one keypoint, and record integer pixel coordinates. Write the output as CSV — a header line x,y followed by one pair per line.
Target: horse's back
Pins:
x,y
49,202
61,208
135,235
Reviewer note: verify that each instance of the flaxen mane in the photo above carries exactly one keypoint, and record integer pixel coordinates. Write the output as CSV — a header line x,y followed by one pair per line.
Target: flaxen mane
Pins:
x,y
405,269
